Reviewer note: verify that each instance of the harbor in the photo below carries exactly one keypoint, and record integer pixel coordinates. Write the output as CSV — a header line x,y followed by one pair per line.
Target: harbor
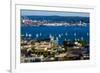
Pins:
x,y
50,50
49,36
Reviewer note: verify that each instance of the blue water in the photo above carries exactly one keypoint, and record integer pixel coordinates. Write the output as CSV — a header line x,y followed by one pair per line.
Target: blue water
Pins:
x,y
43,32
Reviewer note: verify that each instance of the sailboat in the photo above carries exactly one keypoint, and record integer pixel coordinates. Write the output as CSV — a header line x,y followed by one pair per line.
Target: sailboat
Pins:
x,y
87,34
81,38
29,35
66,34
59,36
26,35
74,34
40,34
37,35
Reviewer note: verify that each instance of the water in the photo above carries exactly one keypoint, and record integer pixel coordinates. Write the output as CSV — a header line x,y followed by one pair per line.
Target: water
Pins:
x,y
60,32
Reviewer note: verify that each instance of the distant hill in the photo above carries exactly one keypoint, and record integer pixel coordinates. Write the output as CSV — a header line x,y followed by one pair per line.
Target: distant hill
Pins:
x,y
70,19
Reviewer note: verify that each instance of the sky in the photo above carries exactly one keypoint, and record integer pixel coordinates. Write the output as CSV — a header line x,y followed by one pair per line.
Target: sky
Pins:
x,y
51,13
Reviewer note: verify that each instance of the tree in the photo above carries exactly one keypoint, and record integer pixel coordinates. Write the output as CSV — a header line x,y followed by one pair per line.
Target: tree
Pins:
x,y
65,43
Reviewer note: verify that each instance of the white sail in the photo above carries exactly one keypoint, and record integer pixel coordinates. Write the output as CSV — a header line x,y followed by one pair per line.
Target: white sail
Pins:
x,y
40,34
29,35
87,34
37,35
26,35
81,38
66,34
74,34
59,36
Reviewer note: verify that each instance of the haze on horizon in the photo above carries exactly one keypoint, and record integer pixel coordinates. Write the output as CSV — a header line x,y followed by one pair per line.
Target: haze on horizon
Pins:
x,y
52,13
